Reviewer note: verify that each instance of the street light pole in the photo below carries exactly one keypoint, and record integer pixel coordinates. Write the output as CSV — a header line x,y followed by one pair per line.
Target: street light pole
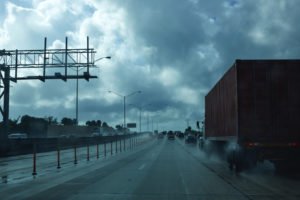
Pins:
x,y
152,124
140,109
140,120
124,112
147,121
124,104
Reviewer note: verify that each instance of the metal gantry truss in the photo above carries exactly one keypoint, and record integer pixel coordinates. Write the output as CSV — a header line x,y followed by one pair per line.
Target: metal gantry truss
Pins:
x,y
41,64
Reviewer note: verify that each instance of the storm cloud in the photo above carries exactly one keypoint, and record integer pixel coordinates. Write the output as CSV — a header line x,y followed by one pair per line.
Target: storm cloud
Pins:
x,y
173,51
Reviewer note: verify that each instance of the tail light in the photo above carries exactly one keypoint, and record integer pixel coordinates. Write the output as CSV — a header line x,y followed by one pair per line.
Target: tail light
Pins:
x,y
294,144
252,144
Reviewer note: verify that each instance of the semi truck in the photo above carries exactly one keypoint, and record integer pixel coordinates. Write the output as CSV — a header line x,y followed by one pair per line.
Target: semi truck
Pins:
x,y
252,114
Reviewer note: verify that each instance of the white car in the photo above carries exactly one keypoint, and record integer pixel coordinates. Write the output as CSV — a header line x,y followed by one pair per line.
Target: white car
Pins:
x,y
17,136
96,134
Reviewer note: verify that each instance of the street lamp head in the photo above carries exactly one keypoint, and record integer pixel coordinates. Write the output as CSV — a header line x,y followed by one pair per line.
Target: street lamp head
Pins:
x,y
106,57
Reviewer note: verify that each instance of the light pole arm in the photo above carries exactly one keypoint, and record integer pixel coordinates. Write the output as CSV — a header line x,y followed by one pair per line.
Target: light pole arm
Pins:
x,y
106,57
133,93
115,93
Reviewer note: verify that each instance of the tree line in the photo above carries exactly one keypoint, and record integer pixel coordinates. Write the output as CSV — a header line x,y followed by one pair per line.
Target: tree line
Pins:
x,y
26,123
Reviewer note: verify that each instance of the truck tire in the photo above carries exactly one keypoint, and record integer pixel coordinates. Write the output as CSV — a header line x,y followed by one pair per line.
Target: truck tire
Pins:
x,y
207,149
238,160
230,166
238,167
230,160
201,144
234,161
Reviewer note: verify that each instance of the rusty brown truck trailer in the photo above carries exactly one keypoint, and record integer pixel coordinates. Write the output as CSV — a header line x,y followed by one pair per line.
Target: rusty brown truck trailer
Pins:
x,y
253,113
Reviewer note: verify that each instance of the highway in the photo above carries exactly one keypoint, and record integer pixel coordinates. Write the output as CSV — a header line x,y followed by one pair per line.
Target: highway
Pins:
x,y
156,169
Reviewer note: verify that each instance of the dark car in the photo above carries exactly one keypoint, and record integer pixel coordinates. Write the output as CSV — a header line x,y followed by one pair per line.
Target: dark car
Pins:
x,y
191,139
160,136
180,135
171,135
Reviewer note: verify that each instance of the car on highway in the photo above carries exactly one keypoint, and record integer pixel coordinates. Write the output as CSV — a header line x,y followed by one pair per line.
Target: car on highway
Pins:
x,y
96,134
160,136
171,135
180,135
63,136
17,136
191,139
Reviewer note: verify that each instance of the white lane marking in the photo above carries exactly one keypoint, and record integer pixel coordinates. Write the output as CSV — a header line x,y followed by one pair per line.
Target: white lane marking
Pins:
x,y
186,189
142,167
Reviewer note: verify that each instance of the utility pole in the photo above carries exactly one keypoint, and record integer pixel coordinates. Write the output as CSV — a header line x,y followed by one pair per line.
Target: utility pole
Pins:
x,y
152,125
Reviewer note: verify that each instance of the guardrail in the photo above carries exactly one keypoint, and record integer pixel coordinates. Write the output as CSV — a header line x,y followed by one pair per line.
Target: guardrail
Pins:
x,y
25,146
57,152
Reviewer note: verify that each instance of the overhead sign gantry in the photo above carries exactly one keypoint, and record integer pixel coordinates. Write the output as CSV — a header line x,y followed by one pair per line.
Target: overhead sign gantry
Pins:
x,y
41,64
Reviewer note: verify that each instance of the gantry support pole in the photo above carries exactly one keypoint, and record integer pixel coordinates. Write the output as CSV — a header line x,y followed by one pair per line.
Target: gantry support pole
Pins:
x,y
5,95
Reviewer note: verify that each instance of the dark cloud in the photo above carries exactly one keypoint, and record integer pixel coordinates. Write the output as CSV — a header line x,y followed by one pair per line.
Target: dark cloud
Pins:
x,y
175,52
172,27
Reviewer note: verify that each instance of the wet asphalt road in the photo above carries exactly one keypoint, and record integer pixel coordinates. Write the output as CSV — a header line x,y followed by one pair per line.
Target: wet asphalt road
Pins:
x,y
163,169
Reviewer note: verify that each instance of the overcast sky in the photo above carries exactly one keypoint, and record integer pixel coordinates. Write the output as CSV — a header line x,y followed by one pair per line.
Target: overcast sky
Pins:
x,y
174,51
